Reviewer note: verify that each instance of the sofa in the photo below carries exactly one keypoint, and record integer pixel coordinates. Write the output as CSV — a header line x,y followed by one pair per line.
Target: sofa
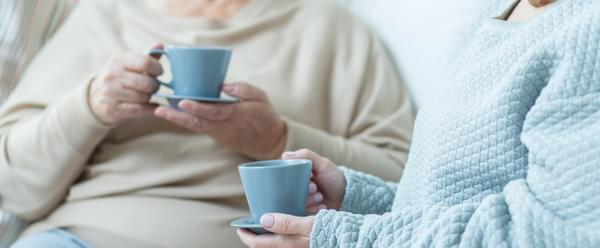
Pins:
x,y
422,37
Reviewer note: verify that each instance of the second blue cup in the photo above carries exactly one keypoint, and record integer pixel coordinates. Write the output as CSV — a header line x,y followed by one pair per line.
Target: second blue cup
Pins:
x,y
276,186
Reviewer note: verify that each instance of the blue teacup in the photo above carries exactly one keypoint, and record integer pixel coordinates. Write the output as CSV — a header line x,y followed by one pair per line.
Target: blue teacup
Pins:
x,y
197,72
276,186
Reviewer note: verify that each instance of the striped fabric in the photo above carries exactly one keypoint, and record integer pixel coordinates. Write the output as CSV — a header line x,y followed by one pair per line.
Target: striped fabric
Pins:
x,y
10,226
25,25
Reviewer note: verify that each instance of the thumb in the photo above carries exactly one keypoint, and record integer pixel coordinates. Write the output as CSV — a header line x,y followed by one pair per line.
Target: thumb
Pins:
x,y
301,154
286,224
245,91
305,154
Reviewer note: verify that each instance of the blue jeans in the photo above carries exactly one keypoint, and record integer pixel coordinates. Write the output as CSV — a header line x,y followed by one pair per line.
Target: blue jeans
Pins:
x,y
56,238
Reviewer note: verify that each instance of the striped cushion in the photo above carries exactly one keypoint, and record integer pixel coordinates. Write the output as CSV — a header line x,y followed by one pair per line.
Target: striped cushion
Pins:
x,y
25,25
10,226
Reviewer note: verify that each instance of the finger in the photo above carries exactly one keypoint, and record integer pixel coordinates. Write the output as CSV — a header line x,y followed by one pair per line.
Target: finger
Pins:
x,y
245,91
314,209
182,119
301,154
314,199
159,45
142,64
213,112
247,237
139,82
286,224
270,240
312,187
130,96
135,110
304,154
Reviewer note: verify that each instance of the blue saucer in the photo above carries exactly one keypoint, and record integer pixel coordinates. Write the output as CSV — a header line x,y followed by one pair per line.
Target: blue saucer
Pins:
x,y
175,99
247,223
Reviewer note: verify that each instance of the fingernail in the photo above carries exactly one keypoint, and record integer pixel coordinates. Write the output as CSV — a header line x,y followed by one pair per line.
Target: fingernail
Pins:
x,y
289,155
227,87
318,197
184,104
230,88
312,188
267,220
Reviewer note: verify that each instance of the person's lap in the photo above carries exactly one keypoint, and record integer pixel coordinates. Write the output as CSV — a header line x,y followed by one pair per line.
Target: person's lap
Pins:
x,y
56,238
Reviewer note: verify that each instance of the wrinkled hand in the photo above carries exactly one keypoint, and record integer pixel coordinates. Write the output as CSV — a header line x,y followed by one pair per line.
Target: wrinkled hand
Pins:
x,y
288,231
250,127
328,184
124,88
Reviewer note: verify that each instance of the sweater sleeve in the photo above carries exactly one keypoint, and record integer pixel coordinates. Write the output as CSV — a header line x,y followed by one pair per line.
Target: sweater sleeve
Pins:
x,y
47,129
375,137
556,204
367,194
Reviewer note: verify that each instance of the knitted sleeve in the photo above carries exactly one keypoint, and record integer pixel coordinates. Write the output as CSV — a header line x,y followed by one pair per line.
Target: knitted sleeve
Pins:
x,y
367,194
556,205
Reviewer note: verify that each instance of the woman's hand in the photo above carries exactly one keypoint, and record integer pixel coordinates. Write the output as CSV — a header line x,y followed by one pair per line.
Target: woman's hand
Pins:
x,y
327,189
250,127
328,184
124,88
288,231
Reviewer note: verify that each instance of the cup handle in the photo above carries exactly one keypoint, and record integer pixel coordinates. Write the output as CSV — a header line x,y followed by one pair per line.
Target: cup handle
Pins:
x,y
160,52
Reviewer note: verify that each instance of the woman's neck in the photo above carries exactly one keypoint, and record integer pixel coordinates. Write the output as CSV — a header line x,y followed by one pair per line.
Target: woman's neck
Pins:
x,y
215,9
524,10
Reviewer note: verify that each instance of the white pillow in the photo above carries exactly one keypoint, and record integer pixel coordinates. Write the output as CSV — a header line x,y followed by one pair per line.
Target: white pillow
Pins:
x,y
423,36
25,25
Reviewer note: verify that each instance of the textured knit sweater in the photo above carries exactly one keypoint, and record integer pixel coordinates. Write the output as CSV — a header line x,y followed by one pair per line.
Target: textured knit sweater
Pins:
x,y
508,156
153,183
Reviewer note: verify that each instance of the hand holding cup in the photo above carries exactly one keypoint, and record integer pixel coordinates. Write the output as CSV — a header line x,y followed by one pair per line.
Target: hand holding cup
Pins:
x,y
124,87
250,127
327,185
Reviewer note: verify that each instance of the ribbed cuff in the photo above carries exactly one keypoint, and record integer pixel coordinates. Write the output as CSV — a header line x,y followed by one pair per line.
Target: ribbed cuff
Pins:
x,y
366,194
335,229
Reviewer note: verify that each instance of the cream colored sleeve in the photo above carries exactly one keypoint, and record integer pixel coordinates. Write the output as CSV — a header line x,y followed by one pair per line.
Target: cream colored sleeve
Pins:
x,y
47,130
377,136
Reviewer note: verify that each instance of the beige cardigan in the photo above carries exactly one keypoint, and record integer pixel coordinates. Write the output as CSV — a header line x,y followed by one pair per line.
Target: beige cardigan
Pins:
x,y
151,182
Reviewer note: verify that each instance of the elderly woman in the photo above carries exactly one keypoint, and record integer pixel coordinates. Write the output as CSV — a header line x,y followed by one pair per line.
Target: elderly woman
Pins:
x,y
90,158
507,157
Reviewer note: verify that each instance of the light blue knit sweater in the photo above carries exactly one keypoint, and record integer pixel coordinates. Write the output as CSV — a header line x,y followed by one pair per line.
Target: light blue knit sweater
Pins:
x,y
509,156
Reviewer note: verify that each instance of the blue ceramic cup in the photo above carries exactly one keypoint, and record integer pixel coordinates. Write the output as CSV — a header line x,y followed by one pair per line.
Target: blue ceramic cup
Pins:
x,y
276,186
197,72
